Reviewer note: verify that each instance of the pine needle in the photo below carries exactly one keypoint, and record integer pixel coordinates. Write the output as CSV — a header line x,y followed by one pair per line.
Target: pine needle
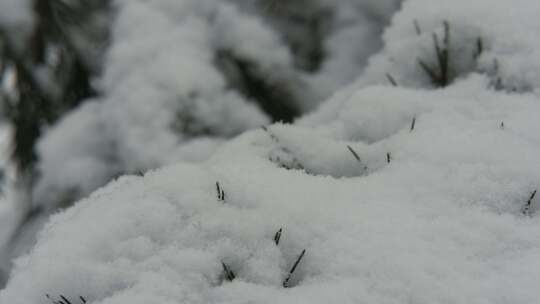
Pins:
x,y
293,269
354,153
229,274
277,236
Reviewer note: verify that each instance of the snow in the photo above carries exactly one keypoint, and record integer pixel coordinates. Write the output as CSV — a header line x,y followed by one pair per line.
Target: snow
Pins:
x,y
355,35
163,86
440,223
507,29
396,194
159,67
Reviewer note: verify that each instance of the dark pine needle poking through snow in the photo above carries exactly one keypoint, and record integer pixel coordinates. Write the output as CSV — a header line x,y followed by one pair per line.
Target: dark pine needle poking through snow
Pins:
x,y
293,269
65,300
439,74
391,79
479,48
220,193
527,208
417,28
229,274
277,236
354,153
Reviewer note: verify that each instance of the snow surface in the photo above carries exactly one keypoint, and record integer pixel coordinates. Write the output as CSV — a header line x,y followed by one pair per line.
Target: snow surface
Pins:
x,y
163,96
441,223
162,87
159,66
508,31
355,34
397,195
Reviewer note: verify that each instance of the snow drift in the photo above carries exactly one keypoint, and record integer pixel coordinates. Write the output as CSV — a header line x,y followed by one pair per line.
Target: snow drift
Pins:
x,y
430,213
397,195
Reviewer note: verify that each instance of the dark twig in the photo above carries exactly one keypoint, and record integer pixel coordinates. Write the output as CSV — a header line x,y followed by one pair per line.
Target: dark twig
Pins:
x,y
413,123
293,269
388,157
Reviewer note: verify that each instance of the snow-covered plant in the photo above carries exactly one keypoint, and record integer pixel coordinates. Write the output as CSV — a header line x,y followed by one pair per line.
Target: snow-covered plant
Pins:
x,y
431,45
447,209
178,78
260,60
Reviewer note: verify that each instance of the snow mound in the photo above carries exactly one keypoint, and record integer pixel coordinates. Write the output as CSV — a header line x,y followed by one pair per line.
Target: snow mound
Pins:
x,y
161,89
430,213
497,38
183,69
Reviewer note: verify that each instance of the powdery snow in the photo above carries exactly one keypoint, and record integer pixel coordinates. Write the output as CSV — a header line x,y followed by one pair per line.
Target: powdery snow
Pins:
x,y
508,32
160,66
441,223
168,78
